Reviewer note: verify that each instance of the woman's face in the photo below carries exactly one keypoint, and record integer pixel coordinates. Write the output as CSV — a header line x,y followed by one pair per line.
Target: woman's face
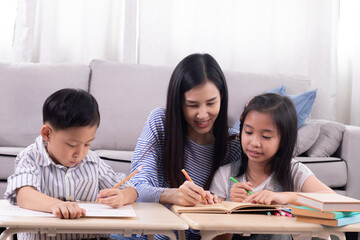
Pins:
x,y
201,107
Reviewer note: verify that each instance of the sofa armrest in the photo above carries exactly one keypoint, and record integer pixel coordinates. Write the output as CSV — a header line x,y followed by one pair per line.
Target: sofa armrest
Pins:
x,y
350,152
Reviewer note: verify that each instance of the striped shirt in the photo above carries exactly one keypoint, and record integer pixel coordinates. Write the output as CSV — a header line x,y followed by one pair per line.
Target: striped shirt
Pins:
x,y
150,182
83,181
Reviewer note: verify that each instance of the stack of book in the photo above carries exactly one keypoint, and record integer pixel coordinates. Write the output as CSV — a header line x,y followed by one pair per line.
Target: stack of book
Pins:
x,y
329,209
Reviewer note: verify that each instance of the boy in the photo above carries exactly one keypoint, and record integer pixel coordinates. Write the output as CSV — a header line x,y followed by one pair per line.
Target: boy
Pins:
x,y
58,169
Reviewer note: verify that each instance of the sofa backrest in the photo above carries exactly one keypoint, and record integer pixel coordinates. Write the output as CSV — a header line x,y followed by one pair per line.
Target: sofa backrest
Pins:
x,y
243,86
23,90
128,92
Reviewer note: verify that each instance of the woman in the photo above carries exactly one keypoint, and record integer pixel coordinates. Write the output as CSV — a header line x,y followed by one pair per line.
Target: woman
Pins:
x,y
192,133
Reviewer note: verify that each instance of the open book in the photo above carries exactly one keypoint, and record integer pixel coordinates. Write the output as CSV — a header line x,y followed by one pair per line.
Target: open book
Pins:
x,y
225,207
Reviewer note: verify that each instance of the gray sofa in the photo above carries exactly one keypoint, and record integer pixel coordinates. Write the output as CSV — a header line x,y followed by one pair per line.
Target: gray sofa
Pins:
x,y
126,94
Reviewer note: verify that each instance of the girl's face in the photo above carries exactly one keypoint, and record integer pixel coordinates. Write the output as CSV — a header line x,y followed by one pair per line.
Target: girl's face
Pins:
x,y
259,137
201,107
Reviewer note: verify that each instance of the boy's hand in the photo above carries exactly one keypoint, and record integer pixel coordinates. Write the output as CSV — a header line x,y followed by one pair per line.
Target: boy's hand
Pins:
x,y
238,191
67,210
112,197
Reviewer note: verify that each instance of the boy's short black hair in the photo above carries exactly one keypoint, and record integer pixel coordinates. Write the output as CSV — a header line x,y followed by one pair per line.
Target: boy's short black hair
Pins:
x,y
68,108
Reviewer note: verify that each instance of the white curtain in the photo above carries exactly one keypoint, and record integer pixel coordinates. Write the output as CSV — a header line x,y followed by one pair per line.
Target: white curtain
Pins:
x,y
7,24
348,100
268,36
76,30
298,37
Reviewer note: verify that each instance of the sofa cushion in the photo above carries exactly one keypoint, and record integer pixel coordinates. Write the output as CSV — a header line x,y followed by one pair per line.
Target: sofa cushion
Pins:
x,y
3,185
330,170
7,166
122,156
118,160
303,102
24,88
307,136
331,134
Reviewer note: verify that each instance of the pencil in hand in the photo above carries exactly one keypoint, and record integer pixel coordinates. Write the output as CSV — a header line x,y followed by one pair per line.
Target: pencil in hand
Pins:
x,y
189,178
125,179
236,181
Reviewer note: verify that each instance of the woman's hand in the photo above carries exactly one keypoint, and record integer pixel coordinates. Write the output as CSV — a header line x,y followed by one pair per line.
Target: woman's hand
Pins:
x,y
212,198
238,191
188,194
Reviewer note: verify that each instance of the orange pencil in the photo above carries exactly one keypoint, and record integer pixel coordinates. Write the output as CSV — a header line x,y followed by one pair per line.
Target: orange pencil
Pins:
x,y
125,179
189,178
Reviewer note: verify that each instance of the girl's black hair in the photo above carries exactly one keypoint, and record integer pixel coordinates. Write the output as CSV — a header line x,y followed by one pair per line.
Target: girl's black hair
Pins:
x,y
192,71
68,108
283,115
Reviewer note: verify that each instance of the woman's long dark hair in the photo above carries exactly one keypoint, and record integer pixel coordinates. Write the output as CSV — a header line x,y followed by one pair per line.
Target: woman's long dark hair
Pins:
x,y
192,71
283,115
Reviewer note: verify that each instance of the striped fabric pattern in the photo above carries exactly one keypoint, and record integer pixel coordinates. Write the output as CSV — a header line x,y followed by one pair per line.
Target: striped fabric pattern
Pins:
x,y
34,167
150,182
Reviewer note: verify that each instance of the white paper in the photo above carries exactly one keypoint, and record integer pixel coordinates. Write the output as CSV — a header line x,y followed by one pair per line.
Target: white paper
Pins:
x,y
101,210
7,209
92,210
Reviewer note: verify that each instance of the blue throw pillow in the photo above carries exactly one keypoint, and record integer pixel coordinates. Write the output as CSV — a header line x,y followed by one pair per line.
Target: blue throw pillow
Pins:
x,y
280,90
303,104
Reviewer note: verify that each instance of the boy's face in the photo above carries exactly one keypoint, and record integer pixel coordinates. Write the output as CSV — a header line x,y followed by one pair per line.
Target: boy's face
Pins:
x,y
68,147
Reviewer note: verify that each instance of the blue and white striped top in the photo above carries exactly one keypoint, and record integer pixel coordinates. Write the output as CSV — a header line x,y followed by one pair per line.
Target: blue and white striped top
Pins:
x,y
34,167
150,181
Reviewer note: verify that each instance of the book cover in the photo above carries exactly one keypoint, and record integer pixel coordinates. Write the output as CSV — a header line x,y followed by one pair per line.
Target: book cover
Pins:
x,y
329,202
331,222
311,212
224,207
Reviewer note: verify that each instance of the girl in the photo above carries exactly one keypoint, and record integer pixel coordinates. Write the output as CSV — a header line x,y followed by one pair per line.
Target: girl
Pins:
x,y
268,133
191,133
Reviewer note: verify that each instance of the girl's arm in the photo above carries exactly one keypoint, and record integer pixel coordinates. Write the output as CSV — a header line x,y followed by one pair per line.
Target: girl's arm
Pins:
x,y
313,184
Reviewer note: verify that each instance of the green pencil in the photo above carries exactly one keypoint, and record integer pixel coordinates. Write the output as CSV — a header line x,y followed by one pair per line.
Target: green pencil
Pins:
x,y
236,181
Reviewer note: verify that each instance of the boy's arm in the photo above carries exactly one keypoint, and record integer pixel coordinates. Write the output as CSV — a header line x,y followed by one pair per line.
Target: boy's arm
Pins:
x,y
30,198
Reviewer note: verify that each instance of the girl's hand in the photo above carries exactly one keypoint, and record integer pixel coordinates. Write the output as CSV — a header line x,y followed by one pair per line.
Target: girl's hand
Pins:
x,y
238,191
67,210
269,197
